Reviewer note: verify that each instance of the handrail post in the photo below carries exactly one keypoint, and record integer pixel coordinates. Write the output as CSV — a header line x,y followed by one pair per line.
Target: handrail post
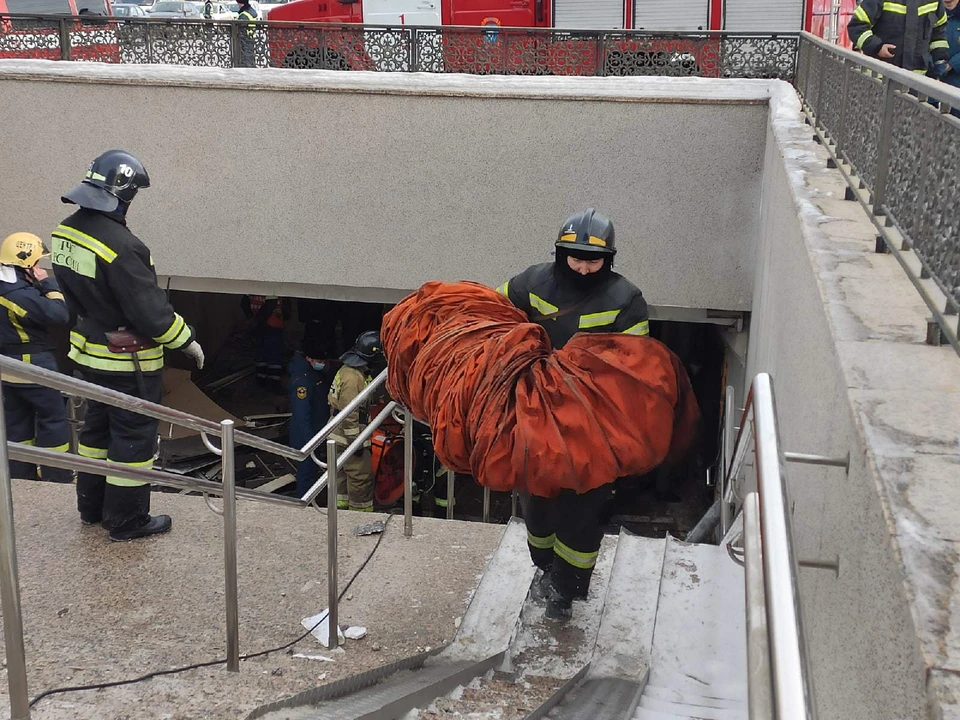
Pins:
x,y
228,465
728,420
883,149
758,648
64,30
333,632
10,588
408,473
451,477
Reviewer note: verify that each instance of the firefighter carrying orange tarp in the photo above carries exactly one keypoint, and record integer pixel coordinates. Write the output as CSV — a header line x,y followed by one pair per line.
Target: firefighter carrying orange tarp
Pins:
x,y
516,414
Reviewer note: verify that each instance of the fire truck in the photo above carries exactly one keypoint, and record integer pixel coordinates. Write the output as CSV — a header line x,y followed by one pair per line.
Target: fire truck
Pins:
x,y
503,46
829,18
656,15
38,36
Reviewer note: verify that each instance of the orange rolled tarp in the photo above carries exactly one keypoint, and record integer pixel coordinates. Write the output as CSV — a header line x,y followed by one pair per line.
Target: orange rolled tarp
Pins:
x,y
508,409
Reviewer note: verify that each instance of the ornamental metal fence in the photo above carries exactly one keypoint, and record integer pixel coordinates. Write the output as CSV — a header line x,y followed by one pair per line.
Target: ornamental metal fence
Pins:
x,y
894,136
474,50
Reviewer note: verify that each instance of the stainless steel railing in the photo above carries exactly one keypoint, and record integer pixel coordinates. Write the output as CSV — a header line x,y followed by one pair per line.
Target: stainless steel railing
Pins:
x,y
893,136
229,436
779,674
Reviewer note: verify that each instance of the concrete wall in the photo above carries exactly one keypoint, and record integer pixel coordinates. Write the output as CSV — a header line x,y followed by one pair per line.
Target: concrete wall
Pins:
x,y
354,191
840,329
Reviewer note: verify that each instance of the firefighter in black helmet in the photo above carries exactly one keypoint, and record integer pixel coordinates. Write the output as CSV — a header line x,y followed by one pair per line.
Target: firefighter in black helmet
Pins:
x,y
123,324
578,292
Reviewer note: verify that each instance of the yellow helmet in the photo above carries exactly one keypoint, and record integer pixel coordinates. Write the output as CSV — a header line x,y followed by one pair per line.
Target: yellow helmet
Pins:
x,y
21,248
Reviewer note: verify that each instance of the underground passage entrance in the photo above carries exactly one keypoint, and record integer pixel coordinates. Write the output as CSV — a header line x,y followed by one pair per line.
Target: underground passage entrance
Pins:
x,y
235,383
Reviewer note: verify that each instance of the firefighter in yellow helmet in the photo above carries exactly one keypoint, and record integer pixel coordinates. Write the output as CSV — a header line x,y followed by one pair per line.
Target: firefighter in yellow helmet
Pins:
x,y
364,360
31,302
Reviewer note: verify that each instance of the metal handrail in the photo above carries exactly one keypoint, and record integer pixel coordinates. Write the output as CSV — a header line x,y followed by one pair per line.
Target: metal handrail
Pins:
x,y
915,81
790,679
892,82
9,581
90,391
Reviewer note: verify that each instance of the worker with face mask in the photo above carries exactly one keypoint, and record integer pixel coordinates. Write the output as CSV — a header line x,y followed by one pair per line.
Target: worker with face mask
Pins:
x,y
578,292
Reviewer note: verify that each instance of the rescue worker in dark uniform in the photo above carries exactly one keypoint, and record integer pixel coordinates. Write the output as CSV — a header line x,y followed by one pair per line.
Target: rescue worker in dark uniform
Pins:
x,y
123,324
578,292
31,301
909,34
269,315
311,375
247,35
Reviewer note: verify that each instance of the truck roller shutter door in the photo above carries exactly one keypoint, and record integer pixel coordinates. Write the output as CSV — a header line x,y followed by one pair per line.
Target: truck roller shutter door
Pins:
x,y
589,14
765,16
679,15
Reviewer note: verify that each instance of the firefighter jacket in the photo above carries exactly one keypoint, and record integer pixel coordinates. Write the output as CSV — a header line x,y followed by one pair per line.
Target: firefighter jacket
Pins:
x,y
953,41
249,14
916,27
548,300
27,309
347,384
109,282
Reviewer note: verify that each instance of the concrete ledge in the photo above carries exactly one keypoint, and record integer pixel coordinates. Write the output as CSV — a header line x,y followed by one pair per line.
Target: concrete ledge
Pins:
x,y
852,373
96,611
638,89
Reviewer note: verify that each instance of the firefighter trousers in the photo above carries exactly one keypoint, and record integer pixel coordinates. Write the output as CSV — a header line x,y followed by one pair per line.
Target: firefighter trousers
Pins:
x,y
355,483
36,415
122,437
564,536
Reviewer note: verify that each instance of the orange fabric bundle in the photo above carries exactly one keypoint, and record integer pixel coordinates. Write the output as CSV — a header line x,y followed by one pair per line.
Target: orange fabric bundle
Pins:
x,y
506,408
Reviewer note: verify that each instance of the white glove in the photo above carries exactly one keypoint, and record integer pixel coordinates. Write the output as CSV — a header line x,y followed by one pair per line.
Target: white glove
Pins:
x,y
196,352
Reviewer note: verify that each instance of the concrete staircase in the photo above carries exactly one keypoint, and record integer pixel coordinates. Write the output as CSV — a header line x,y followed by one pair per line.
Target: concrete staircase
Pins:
x,y
698,656
661,637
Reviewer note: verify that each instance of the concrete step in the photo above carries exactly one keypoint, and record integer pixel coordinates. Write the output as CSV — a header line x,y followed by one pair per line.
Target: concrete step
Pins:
x,y
699,641
491,620
561,649
691,711
366,698
625,637
599,699
646,714
660,693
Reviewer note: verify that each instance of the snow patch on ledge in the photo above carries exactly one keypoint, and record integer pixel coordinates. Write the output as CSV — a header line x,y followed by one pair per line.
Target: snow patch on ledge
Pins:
x,y
622,89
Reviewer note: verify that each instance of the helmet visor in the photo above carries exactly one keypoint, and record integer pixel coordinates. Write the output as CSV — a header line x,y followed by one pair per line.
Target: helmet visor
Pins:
x,y
91,197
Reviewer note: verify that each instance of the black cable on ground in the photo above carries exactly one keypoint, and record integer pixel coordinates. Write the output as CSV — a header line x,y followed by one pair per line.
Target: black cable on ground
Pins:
x,y
211,663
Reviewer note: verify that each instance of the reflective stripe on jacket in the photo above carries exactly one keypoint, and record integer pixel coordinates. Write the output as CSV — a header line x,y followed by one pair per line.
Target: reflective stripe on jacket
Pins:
x,y
540,291
347,384
108,281
916,27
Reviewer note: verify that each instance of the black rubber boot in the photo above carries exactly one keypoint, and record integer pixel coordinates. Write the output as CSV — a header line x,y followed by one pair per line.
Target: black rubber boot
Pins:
x,y
559,607
540,588
152,526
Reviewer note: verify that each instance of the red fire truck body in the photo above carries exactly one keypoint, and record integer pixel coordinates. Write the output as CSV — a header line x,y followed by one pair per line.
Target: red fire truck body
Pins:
x,y
39,39
503,48
656,15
